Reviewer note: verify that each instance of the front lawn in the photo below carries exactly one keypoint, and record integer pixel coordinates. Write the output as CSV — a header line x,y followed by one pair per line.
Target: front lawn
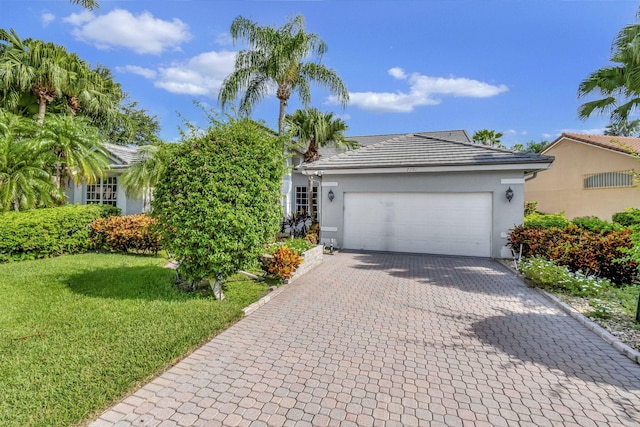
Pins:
x,y
78,332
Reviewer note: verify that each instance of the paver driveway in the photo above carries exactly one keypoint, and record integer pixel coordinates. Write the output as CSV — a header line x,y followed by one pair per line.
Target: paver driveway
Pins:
x,y
387,339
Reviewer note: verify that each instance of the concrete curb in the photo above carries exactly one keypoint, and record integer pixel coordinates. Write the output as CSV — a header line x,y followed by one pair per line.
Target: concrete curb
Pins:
x,y
623,348
593,326
265,299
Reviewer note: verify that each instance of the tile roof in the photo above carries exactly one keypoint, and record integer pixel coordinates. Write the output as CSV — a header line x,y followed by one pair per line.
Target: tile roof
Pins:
x,y
365,140
123,156
419,150
616,143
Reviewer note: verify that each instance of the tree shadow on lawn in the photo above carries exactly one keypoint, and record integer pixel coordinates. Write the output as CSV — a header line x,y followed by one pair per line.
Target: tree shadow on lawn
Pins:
x,y
128,282
469,274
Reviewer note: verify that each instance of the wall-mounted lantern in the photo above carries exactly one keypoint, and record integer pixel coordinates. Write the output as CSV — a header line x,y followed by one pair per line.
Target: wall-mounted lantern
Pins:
x,y
509,194
331,195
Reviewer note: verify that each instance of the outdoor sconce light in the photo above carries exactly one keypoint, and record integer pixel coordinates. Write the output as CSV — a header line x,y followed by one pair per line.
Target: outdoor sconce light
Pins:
x,y
331,195
509,194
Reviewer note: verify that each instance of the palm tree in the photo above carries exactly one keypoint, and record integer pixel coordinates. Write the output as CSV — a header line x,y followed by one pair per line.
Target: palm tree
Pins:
x,y
143,175
276,58
46,73
488,137
87,4
75,148
619,84
25,179
317,129
623,128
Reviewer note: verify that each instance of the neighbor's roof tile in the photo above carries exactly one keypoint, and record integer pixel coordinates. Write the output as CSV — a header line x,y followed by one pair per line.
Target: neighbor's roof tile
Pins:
x,y
617,143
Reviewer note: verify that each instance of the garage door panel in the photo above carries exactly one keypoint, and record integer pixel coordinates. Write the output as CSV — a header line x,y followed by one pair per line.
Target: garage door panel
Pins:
x,y
439,223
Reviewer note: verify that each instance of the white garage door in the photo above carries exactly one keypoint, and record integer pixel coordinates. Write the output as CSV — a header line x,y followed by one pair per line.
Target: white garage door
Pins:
x,y
433,223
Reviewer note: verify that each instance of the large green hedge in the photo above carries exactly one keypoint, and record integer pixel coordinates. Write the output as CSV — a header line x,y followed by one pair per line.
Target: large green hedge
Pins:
x,y
42,233
218,200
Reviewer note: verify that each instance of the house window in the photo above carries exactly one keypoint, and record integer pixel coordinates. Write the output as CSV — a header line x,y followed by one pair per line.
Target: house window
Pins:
x,y
104,192
302,201
609,179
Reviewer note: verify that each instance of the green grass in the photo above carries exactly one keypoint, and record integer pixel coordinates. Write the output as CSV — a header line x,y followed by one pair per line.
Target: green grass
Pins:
x,y
79,332
626,297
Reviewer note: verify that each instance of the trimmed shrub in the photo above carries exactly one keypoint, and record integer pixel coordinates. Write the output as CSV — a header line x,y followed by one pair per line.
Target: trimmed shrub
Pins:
x,y
131,233
547,275
285,262
539,220
592,253
42,233
595,224
218,198
313,235
630,216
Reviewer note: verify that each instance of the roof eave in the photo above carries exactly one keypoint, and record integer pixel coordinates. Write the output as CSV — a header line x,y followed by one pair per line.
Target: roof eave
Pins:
x,y
528,167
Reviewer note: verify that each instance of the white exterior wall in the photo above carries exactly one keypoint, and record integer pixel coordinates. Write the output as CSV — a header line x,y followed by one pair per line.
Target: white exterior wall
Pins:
x,y
505,214
77,194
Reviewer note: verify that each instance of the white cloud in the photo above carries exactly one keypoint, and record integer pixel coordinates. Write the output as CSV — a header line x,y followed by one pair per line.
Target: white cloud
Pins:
x,y
47,18
515,132
224,39
423,90
142,34
594,131
79,18
201,75
398,73
141,71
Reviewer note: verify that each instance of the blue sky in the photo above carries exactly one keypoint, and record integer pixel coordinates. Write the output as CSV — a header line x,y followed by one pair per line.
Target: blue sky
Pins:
x,y
512,66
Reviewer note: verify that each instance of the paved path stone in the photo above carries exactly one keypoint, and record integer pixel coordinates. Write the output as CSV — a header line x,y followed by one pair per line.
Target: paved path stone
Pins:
x,y
370,339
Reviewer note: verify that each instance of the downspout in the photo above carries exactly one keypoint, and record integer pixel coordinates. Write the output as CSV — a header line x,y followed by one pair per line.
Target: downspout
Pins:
x,y
529,178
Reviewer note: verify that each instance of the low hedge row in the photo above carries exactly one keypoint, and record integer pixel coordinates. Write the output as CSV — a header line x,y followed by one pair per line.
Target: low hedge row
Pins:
x,y
42,233
594,253
132,233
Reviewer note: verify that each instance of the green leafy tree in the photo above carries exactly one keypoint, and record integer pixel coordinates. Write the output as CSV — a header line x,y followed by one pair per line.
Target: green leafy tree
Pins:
x,y
217,199
623,128
35,73
74,148
317,129
618,84
488,137
531,147
131,126
25,178
278,57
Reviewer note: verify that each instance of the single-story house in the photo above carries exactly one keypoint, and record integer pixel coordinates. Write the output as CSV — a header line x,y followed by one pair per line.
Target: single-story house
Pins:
x,y
430,192
108,191
591,176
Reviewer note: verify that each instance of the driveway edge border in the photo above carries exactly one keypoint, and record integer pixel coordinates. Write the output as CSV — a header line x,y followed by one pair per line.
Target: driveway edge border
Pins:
x,y
592,326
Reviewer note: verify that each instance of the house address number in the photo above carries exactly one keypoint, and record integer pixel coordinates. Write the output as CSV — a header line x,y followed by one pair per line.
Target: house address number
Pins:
x,y
411,169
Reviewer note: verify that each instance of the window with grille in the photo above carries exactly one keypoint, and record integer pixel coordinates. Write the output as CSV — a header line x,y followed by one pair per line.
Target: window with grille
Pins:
x,y
103,192
302,200
609,179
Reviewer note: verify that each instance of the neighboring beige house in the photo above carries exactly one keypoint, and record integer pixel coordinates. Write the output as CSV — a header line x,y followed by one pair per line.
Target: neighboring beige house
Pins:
x,y
590,176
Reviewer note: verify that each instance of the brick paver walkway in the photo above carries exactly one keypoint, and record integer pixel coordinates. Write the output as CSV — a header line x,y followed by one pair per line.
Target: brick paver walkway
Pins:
x,y
396,340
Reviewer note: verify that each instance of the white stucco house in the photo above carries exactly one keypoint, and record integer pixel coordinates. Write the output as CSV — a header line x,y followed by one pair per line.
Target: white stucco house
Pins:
x,y
108,191
429,192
